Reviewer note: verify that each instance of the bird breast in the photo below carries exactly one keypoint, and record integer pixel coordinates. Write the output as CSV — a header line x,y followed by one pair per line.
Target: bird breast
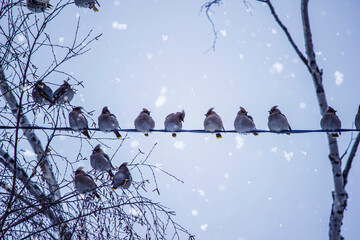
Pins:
x,y
107,123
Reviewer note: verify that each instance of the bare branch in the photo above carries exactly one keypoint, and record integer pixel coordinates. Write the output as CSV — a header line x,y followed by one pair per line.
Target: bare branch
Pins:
x,y
33,189
339,194
289,37
350,159
30,135
207,6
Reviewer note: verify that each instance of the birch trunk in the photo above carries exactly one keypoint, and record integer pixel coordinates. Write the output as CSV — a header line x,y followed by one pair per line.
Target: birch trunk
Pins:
x,y
339,193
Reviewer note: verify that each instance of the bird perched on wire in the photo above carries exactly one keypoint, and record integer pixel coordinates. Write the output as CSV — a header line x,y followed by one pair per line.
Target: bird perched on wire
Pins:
x,y
144,122
330,121
84,183
87,4
38,5
122,178
213,123
107,122
64,94
42,94
78,121
100,161
244,123
173,122
277,121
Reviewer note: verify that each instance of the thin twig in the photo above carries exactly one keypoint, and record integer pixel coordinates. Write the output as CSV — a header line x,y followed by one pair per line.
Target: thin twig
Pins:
x,y
350,159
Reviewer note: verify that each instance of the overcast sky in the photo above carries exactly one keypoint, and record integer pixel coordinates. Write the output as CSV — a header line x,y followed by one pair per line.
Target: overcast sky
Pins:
x,y
154,54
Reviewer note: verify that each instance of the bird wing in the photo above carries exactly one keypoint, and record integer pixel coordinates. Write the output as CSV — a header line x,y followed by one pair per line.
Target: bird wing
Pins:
x,y
60,91
106,156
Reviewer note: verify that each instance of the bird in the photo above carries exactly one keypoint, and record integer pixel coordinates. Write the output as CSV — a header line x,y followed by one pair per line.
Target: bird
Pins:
x,y
108,122
173,122
244,123
78,121
277,121
357,119
85,183
42,94
330,121
64,94
213,123
100,161
122,178
38,5
87,4
144,122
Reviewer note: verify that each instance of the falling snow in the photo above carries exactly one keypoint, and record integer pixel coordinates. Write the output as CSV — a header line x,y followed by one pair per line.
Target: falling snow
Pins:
x,y
273,30
29,153
159,166
179,144
194,212
277,67
119,26
288,156
204,227
160,101
339,78
134,143
302,105
149,55
239,142
21,38
201,192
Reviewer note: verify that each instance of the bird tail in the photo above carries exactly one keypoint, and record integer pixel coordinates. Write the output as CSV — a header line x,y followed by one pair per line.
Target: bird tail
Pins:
x,y
94,8
51,105
218,135
111,174
334,135
146,134
86,133
173,135
97,195
118,135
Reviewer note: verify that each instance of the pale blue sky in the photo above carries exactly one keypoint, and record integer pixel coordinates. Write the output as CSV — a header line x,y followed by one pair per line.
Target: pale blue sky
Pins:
x,y
153,54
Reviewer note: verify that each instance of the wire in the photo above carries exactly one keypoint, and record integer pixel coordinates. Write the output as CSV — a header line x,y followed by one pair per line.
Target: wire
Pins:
x,y
34,127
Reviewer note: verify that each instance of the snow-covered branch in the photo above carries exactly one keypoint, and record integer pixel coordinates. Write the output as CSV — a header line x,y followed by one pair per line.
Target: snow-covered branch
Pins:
x,y
339,195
